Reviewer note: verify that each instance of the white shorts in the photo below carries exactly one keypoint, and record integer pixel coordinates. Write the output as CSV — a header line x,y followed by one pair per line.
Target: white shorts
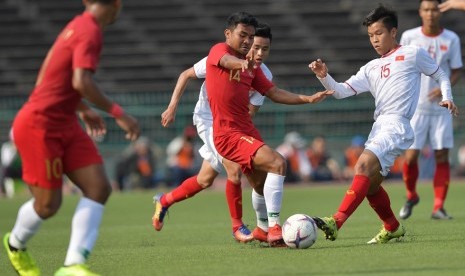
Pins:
x,y
437,128
389,137
208,150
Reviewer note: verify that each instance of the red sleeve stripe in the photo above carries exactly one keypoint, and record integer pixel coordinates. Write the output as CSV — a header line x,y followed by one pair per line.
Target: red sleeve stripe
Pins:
x,y
351,88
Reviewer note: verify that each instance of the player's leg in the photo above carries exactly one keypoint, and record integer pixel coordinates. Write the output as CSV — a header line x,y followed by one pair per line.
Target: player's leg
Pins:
x,y
187,189
257,180
442,139
84,167
268,160
88,214
420,125
441,183
40,152
410,177
234,199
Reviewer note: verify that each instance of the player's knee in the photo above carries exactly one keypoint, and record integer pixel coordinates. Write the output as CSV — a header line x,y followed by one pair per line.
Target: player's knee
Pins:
x,y
279,164
46,210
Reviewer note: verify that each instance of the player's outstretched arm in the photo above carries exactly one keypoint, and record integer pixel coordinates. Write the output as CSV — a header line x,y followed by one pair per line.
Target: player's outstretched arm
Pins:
x,y
86,86
234,63
452,4
278,95
169,115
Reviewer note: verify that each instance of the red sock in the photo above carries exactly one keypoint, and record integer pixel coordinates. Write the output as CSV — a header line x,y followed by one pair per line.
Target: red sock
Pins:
x,y
382,205
410,179
234,199
352,199
187,189
441,184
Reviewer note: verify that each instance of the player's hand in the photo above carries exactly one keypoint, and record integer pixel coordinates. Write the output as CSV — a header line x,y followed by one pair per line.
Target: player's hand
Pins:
x,y
130,125
320,96
434,95
168,116
453,109
319,68
94,123
249,63
452,4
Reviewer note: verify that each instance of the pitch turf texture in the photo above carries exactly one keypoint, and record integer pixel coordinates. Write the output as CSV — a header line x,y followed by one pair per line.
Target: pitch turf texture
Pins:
x,y
197,240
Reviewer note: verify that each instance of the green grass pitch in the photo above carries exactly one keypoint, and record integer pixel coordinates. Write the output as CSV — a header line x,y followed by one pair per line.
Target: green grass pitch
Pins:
x,y
197,240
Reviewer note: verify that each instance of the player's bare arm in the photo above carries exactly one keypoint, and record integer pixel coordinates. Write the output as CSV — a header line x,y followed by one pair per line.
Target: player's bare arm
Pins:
x,y
234,63
278,95
454,78
319,68
452,4
94,123
169,115
85,85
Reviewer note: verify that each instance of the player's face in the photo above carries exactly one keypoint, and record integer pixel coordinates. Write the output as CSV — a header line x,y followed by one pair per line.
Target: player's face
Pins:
x,y
261,48
381,38
241,38
429,13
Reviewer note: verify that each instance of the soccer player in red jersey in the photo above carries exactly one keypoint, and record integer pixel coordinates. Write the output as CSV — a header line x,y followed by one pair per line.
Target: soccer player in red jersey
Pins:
x,y
51,141
230,77
213,163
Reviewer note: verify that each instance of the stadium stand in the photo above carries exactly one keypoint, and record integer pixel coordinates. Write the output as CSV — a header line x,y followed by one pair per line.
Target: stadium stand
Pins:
x,y
155,40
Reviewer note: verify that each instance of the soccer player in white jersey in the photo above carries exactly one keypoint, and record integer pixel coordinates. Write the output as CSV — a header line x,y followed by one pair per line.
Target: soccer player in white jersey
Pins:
x,y
431,121
394,81
213,162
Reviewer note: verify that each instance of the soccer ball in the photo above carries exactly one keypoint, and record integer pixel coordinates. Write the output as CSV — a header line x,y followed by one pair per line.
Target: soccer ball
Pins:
x,y
299,231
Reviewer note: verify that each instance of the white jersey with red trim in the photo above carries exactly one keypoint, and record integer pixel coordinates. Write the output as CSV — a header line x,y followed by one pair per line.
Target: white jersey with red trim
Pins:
x,y
394,80
445,50
202,111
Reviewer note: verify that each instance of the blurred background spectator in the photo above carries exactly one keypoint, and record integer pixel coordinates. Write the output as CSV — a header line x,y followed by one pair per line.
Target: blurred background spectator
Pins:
x,y
182,157
351,155
293,149
324,168
137,166
10,170
461,161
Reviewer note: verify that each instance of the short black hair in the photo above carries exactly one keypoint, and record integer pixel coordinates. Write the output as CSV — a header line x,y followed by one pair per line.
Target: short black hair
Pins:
x,y
386,15
241,18
263,30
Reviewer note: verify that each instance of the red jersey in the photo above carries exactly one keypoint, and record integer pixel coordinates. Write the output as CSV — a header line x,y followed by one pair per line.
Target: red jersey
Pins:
x,y
228,93
53,102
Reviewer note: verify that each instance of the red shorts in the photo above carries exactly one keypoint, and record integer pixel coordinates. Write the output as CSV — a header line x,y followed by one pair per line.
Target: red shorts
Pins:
x,y
239,147
47,154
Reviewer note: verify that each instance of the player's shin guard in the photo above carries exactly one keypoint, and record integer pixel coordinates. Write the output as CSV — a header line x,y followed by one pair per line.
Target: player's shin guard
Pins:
x,y
187,189
441,185
234,199
410,176
381,203
352,199
84,232
273,192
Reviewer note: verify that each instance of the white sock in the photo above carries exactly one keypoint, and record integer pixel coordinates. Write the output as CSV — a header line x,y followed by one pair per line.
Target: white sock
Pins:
x,y
27,224
259,205
84,231
273,191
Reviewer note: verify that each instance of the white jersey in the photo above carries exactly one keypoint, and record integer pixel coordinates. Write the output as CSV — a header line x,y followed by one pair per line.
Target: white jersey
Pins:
x,y
393,80
445,50
202,112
